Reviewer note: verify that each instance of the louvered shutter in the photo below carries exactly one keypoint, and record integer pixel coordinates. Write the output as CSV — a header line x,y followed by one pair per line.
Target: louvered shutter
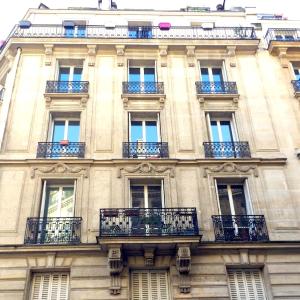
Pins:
x,y
149,285
50,286
246,285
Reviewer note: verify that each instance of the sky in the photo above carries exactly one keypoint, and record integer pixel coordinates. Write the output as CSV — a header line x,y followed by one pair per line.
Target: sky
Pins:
x,y
13,10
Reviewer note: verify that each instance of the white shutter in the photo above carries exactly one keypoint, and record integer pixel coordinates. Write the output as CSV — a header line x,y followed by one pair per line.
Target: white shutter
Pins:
x,y
149,285
50,286
246,285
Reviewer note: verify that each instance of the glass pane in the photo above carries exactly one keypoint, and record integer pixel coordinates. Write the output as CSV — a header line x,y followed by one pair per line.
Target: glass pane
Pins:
x,y
134,74
51,202
151,131
136,131
239,199
58,131
214,131
226,131
204,75
133,32
149,74
69,31
77,74
67,202
137,196
224,200
64,74
154,196
297,74
73,131
217,74
81,31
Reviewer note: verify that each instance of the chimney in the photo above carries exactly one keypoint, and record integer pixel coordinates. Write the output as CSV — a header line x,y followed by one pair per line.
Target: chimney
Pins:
x,y
104,4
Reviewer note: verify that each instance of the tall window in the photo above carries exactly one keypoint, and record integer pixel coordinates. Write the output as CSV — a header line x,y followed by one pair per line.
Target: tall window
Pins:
x,y
246,284
74,28
213,74
149,285
50,286
65,129
296,68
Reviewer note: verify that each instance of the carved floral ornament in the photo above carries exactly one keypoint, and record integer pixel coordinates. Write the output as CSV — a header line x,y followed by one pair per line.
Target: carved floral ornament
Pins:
x,y
147,168
231,168
60,168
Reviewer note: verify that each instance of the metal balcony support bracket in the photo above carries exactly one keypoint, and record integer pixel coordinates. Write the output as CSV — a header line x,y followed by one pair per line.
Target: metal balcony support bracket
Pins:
x,y
115,265
183,265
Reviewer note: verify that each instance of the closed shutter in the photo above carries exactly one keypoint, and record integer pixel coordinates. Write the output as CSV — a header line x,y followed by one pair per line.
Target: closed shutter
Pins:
x,y
50,286
246,285
149,285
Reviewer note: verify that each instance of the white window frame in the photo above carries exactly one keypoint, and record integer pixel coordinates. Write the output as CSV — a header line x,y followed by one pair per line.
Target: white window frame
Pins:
x,y
66,129
72,68
210,67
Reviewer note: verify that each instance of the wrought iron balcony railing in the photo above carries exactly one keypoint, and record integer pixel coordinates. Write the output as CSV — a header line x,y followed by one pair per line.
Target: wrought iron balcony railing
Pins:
x,y
227,150
141,32
120,222
240,228
144,150
282,34
136,87
53,231
296,85
210,87
59,149
67,86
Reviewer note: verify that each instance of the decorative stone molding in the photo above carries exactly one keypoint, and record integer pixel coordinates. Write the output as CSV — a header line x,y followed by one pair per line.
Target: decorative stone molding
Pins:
x,y
163,52
183,265
244,256
48,54
59,168
134,101
147,168
120,55
283,57
115,266
149,257
231,168
190,53
92,49
231,54
55,98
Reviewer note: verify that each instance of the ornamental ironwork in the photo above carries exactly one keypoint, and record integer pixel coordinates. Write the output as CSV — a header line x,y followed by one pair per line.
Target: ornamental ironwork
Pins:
x,y
282,34
115,222
227,150
137,87
53,230
60,149
67,87
240,228
296,85
145,150
220,87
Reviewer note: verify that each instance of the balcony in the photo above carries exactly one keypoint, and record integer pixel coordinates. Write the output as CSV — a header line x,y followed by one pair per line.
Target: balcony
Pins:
x,y
52,231
212,88
148,222
296,85
60,149
136,87
288,38
227,150
145,150
240,228
70,87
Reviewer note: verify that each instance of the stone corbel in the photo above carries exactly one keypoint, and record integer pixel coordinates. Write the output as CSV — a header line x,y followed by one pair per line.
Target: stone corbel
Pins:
x,y
120,55
115,265
84,100
92,49
163,52
149,257
190,53
48,54
231,55
183,265
282,57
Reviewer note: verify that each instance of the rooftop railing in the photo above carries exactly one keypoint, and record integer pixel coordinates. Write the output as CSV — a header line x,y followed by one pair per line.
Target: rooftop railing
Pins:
x,y
130,222
282,34
141,32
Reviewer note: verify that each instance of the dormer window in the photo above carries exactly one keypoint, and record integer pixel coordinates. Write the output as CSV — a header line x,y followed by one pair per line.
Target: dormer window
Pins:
x,y
74,28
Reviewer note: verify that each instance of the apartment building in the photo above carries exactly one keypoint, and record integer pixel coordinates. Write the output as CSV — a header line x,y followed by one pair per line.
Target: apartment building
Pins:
x,y
150,155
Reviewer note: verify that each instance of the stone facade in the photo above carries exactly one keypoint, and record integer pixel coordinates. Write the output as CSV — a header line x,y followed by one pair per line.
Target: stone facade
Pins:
x,y
263,111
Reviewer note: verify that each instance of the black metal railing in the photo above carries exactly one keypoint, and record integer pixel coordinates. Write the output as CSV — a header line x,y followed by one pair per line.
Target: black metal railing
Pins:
x,y
136,87
67,86
53,231
243,228
145,149
227,150
296,85
282,34
118,222
140,32
60,149
210,87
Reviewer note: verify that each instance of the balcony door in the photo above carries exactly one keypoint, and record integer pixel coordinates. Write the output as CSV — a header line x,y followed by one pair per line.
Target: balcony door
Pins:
x,y
74,29
69,78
